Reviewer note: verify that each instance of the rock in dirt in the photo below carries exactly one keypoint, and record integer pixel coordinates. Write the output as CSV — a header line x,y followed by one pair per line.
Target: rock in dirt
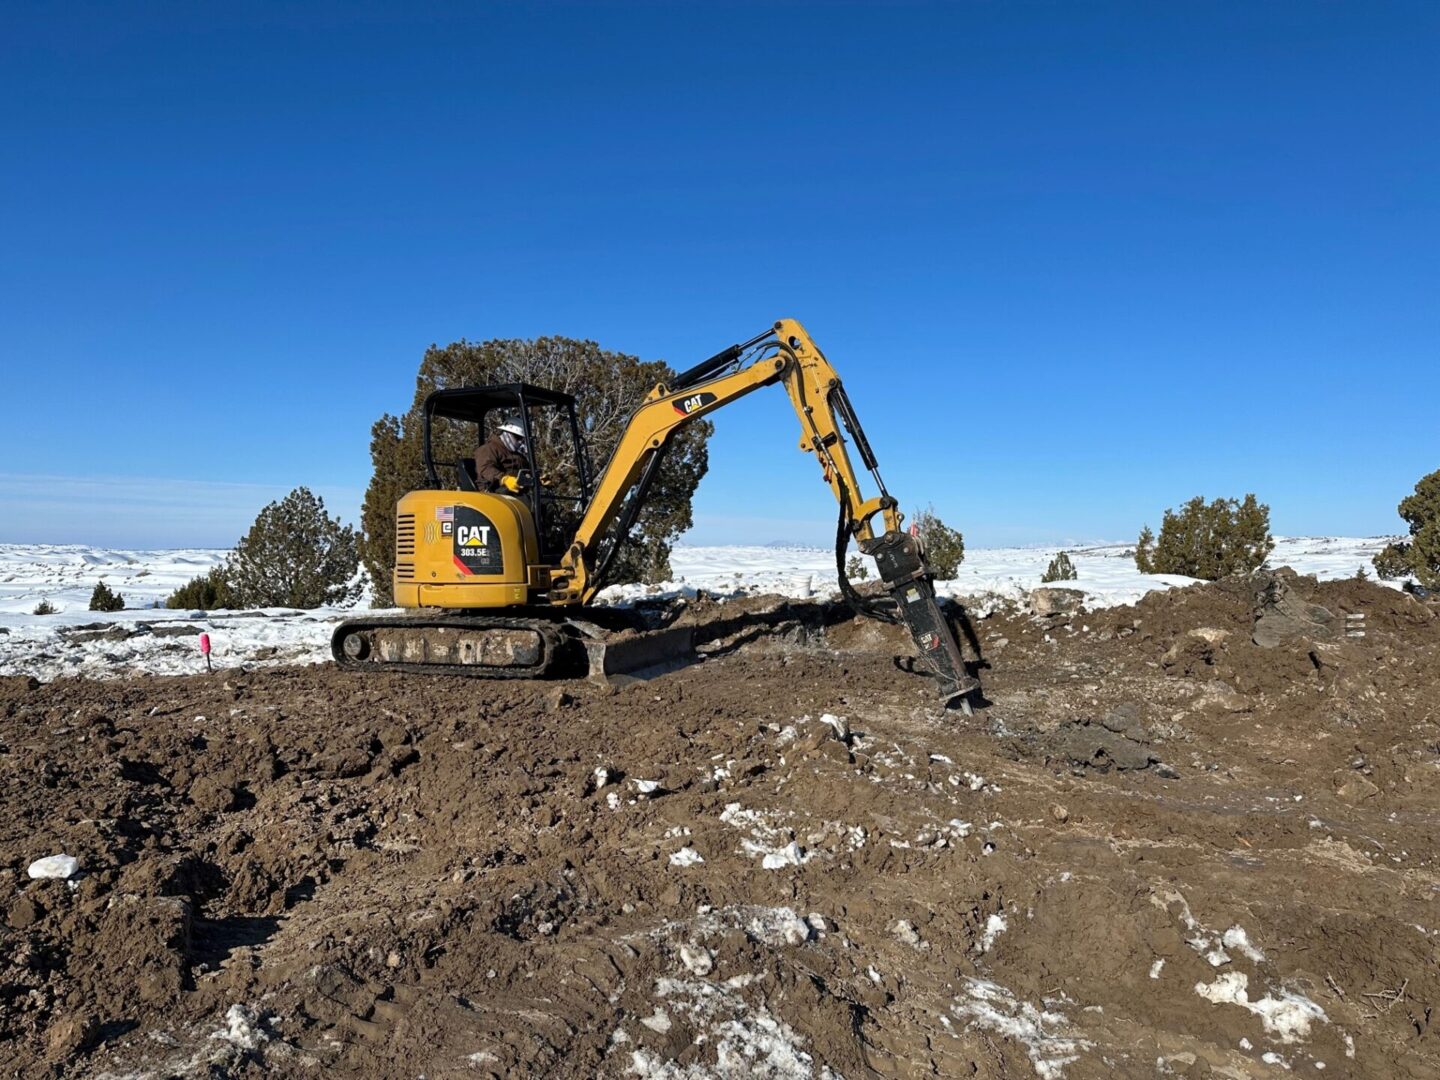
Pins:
x,y
1195,651
905,931
1353,788
1055,601
1281,616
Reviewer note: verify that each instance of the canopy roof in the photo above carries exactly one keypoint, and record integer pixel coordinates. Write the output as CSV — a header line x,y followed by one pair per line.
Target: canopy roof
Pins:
x,y
472,403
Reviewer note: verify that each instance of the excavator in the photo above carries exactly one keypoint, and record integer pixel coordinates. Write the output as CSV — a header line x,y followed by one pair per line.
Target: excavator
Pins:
x,y
504,584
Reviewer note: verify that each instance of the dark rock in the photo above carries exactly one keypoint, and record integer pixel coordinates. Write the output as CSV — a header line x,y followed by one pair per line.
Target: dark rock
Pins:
x,y
1281,616
113,633
1124,719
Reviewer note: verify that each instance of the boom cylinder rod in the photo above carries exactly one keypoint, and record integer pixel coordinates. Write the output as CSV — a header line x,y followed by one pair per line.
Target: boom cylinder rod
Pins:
x,y
716,362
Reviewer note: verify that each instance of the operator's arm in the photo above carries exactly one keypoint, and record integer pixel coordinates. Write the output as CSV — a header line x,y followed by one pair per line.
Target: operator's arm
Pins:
x,y
491,470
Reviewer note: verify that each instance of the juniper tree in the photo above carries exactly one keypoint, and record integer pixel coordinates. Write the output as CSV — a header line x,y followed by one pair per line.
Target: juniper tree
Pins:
x,y
1420,554
1060,569
607,386
944,546
295,555
1208,540
204,593
102,599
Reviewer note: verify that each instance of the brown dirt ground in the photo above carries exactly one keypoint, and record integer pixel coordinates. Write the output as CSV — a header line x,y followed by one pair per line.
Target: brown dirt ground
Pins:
x,y
361,875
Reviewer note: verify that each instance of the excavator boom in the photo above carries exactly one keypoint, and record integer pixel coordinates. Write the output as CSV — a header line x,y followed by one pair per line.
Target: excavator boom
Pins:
x,y
785,354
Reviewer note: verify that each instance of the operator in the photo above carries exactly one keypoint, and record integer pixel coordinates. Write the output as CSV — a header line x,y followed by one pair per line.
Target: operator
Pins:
x,y
501,460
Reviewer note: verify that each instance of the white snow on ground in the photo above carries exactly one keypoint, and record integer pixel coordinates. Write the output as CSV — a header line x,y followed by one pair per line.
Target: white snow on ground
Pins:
x,y
1287,1015
164,642
1044,1032
748,1040
1105,573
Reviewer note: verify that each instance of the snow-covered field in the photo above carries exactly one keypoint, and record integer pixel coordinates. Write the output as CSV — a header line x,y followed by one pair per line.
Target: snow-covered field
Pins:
x,y
144,638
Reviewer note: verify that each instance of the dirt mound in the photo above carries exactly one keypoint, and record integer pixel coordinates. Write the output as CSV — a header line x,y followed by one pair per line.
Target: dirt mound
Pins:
x,y
783,861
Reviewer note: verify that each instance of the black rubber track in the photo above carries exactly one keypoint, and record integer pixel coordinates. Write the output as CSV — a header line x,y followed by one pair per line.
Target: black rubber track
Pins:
x,y
552,635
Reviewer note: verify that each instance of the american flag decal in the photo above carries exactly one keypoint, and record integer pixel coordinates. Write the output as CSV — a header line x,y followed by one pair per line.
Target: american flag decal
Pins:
x,y
445,513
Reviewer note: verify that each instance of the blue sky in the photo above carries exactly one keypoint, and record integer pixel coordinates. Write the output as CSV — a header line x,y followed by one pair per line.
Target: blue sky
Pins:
x,y
1075,261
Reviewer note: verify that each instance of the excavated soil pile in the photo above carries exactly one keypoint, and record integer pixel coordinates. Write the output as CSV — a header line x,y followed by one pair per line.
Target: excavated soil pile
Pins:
x,y
1159,849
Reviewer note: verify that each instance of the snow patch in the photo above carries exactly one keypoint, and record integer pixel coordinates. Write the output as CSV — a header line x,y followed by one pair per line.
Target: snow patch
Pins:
x,y
1288,1016
686,856
1043,1032
748,1040
994,927
242,1028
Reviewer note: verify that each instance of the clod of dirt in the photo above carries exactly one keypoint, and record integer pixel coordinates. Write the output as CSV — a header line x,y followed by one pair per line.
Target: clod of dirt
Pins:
x,y
1116,742
71,1036
24,912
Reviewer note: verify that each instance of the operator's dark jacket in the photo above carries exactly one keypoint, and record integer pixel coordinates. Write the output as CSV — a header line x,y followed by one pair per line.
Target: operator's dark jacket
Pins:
x,y
493,460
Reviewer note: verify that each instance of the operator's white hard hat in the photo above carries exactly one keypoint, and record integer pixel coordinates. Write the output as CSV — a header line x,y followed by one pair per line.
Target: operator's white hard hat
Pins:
x,y
513,429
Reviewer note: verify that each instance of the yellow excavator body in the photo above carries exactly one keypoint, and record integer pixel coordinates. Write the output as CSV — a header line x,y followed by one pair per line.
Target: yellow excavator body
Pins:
x,y
466,549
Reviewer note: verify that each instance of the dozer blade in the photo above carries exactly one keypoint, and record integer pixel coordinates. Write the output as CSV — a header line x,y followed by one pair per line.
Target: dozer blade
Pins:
x,y
907,577
613,656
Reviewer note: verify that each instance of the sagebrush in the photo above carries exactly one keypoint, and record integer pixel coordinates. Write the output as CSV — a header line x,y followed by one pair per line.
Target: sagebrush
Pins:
x,y
1208,540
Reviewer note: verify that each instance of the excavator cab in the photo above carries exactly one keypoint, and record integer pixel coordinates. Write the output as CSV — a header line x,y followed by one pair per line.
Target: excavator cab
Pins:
x,y
554,449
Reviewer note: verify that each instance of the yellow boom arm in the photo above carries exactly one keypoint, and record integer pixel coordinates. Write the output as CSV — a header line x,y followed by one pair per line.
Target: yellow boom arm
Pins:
x,y
809,380
786,354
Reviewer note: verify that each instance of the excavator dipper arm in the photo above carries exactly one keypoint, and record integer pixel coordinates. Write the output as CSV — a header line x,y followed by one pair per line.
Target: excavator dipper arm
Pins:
x,y
785,354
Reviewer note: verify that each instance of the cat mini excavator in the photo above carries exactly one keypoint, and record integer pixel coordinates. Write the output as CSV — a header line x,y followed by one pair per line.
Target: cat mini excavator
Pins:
x,y
503,584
